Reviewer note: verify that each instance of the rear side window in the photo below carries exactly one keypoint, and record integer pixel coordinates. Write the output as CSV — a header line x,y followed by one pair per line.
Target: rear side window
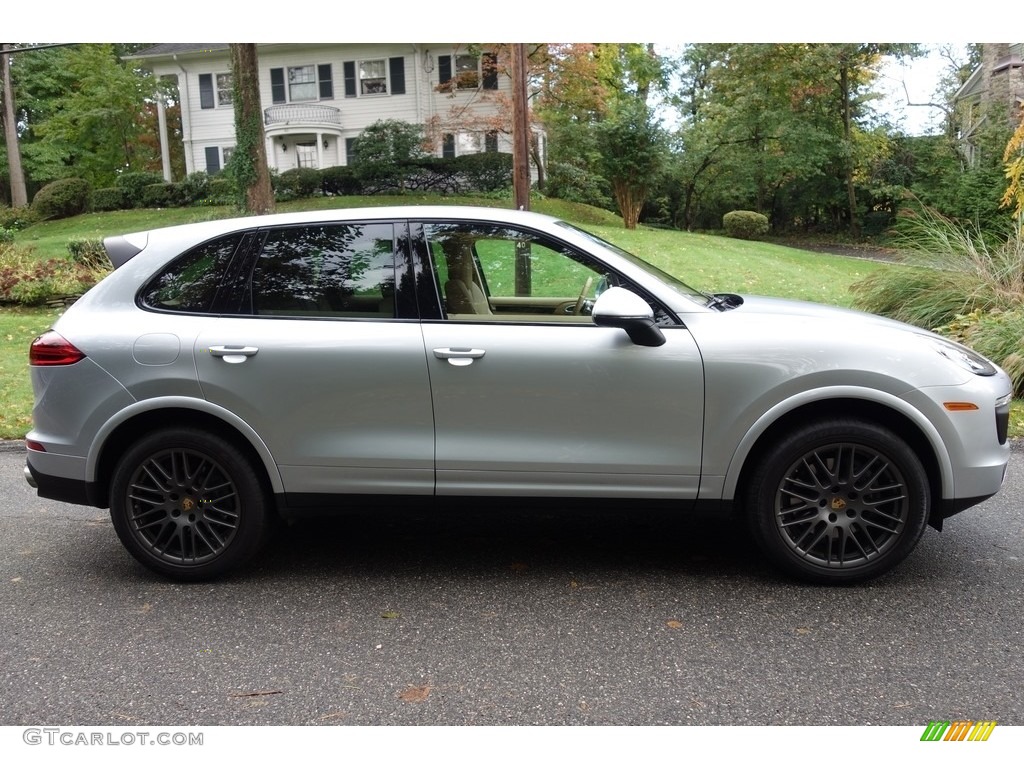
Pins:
x,y
326,270
190,282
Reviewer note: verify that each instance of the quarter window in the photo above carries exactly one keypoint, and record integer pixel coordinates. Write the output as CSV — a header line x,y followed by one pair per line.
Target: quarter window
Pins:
x,y
190,282
329,270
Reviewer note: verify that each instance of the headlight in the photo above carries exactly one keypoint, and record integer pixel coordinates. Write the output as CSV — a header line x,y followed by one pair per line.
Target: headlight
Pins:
x,y
966,358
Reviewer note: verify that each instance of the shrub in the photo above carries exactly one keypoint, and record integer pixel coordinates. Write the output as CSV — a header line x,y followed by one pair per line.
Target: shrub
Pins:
x,y
133,185
745,225
89,253
194,187
221,192
17,218
162,195
297,183
25,279
954,270
6,236
108,199
484,172
340,180
999,335
62,198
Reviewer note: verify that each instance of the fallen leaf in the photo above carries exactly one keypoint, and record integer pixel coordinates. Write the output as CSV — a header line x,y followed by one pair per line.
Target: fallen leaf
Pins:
x,y
803,630
673,624
390,615
253,693
415,694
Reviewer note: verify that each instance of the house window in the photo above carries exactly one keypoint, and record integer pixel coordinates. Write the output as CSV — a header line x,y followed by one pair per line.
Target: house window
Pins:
x,y
302,83
350,151
225,153
468,72
224,89
491,141
373,77
215,90
448,145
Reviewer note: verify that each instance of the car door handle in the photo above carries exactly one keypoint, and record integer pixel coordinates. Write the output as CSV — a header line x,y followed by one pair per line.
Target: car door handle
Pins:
x,y
231,354
458,357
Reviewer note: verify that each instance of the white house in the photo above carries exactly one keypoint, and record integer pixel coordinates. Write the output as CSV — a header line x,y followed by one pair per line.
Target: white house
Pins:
x,y
317,98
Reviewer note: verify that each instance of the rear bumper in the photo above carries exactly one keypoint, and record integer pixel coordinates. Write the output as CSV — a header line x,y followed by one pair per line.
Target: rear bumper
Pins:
x,y
64,489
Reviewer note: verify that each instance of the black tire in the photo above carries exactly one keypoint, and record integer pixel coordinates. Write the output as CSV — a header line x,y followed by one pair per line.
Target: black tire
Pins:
x,y
838,502
188,504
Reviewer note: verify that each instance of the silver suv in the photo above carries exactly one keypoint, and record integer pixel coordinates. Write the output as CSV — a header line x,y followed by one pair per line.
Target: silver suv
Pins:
x,y
231,372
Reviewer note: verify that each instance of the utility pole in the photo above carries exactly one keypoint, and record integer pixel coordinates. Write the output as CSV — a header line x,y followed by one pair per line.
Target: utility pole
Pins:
x,y
521,163
520,129
19,194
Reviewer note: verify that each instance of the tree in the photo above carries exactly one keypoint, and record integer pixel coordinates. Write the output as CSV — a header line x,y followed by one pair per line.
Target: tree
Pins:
x,y
632,149
1014,159
92,121
248,163
19,195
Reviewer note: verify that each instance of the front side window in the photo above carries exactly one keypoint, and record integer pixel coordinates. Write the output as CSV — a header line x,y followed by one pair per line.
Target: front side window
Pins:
x,y
326,270
190,283
500,273
302,84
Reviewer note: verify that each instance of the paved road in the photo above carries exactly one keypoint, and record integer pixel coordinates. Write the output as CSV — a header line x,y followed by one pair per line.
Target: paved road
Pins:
x,y
478,615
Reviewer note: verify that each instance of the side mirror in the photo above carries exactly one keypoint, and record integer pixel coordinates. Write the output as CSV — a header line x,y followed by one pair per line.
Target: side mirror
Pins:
x,y
619,308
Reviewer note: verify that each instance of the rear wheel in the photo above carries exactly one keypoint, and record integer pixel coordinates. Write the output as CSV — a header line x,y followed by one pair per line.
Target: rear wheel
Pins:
x,y
188,504
838,502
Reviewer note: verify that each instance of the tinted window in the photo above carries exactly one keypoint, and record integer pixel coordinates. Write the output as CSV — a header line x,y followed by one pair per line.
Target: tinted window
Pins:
x,y
326,270
190,282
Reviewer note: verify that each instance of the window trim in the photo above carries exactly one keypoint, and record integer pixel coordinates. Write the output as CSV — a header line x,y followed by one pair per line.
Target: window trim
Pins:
x,y
210,91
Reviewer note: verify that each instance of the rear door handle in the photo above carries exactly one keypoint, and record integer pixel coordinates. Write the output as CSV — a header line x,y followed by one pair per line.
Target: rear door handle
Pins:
x,y
230,354
459,357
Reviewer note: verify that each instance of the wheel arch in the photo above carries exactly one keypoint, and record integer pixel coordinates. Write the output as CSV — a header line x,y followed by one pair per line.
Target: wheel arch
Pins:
x,y
916,432
121,432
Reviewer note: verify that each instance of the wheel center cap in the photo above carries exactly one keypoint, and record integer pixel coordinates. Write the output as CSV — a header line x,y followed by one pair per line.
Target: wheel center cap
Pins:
x,y
188,504
838,503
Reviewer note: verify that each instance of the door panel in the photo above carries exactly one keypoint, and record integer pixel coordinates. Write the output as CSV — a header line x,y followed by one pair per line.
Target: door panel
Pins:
x,y
565,410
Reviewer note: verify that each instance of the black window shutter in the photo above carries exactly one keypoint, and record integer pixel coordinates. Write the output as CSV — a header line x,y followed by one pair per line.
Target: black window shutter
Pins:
x,y
397,66
350,151
277,91
350,79
323,72
489,63
444,69
212,160
206,92
448,145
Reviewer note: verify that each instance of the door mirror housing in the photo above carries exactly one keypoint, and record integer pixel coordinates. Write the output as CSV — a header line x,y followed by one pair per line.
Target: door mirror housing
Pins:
x,y
619,308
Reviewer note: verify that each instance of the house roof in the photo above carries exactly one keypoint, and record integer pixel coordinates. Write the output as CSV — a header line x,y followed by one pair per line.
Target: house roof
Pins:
x,y
169,49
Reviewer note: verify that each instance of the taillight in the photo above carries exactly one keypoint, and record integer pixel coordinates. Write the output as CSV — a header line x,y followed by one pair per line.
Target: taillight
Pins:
x,y
53,349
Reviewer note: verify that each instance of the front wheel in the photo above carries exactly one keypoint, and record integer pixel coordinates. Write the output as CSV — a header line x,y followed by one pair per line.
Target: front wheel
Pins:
x,y
188,504
838,502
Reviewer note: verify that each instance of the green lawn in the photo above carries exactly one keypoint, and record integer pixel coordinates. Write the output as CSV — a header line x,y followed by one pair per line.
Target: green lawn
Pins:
x,y
707,262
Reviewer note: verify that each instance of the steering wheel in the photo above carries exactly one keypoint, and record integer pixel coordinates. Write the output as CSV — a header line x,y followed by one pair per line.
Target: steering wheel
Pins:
x,y
582,300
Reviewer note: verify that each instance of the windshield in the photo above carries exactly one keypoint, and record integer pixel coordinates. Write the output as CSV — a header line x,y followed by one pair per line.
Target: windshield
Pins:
x,y
674,283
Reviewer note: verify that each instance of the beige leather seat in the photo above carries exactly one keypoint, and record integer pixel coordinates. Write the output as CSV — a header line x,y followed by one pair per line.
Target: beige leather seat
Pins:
x,y
463,291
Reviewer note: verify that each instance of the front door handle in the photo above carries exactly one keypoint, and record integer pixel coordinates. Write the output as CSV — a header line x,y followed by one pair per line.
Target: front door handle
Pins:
x,y
459,357
231,354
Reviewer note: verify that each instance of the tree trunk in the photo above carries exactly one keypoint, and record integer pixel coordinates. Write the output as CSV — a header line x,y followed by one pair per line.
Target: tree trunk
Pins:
x,y
851,193
19,193
249,162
